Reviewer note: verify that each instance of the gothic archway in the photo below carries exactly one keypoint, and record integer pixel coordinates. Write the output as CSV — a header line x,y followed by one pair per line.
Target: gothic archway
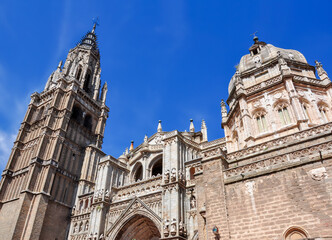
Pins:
x,y
138,227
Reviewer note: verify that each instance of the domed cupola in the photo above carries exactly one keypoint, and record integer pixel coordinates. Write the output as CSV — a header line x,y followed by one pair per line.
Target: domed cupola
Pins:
x,y
261,55
274,92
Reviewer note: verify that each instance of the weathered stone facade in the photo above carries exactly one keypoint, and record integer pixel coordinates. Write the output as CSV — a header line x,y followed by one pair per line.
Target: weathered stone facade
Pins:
x,y
269,178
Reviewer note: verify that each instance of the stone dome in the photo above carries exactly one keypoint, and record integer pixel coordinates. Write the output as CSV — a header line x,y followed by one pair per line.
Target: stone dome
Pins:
x,y
263,53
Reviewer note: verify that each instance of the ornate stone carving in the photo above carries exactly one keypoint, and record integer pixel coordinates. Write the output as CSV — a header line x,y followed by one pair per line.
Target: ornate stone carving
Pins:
x,y
166,176
173,226
173,175
318,174
166,228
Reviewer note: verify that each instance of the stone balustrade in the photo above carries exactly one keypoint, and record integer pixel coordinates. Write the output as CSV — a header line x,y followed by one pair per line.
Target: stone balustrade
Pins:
x,y
138,188
240,165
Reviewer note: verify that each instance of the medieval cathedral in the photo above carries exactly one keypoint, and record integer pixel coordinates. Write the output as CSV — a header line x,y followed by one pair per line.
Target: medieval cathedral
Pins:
x,y
269,178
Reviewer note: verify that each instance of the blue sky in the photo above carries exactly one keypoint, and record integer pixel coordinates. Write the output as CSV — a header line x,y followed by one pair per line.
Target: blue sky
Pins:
x,y
169,60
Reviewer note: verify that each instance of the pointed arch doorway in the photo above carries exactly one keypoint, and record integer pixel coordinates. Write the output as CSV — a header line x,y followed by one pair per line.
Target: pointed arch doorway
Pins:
x,y
138,227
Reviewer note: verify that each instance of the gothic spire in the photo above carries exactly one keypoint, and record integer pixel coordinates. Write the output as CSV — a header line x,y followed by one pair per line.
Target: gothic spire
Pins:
x,y
131,146
204,131
191,127
159,129
89,40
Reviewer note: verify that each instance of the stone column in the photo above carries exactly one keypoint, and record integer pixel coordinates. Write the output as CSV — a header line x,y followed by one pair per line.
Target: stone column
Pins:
x,y
173,191
296,105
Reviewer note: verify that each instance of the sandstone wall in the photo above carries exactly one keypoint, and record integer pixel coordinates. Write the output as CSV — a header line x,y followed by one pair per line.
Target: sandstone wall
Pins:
x,y
264,207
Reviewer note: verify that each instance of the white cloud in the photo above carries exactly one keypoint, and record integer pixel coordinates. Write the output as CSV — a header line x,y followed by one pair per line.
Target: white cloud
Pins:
x,y
6,144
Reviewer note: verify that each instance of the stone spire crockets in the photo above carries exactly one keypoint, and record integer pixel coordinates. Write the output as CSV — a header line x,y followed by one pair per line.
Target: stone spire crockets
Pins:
x,y
204,131
83,65
192,127
159,128
320,71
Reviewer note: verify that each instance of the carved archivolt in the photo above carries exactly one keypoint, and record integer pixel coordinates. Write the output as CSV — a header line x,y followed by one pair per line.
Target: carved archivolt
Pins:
x,y
136,207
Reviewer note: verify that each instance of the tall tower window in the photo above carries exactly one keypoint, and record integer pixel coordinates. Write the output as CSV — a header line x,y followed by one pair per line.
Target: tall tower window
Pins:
x,y
87,82
88,122
79,73
77,114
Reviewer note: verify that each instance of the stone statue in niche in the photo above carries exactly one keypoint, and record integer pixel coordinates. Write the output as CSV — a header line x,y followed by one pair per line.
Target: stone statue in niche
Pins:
x,y
192,202
73,210
107,194
173,175
173,226
166,228
100,194
181,175
181,229
87,226
166,175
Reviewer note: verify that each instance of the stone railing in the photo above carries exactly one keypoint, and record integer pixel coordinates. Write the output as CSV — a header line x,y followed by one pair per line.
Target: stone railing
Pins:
x,y
234,156
276,162
156,147
138,188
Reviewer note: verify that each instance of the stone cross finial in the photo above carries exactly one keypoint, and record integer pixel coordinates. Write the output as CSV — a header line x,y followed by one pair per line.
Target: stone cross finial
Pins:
x,y
95,23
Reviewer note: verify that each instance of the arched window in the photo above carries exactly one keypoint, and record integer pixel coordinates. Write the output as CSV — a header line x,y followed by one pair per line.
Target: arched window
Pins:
x,y
261,121
295,233
323,113
157,168
77,114
87,82
283,113
138,173
88,122
306,111
79,73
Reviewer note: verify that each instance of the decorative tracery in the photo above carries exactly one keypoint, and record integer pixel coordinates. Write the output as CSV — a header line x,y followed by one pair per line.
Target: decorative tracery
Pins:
x,y
261,121
323,110
283,113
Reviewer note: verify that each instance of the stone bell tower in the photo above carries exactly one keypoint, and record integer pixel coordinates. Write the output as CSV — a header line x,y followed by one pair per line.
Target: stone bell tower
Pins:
x,y
39,183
